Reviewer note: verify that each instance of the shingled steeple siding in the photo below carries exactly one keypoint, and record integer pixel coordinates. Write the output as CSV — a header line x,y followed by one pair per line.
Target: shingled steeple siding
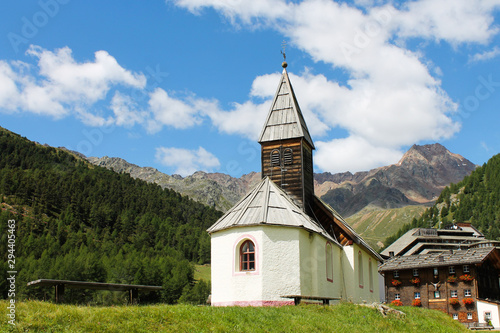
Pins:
x,y
287,146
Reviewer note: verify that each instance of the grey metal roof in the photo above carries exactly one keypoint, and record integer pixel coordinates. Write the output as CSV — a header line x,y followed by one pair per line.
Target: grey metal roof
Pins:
x,y
415,239
436,259
285,120
267,204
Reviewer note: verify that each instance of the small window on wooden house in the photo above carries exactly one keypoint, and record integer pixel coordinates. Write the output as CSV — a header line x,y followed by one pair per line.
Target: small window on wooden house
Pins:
x,y
436,271
415,272
247,256
275,157
437,294
417,295
455,316
466,269
397,297
288,156
395,274
467,293
469,315
452,269
454,294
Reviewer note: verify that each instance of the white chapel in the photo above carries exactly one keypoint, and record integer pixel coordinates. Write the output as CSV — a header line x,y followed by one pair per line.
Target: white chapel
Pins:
x,y
281,244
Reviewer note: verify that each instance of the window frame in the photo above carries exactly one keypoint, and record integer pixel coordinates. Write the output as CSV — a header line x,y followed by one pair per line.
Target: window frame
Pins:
x,y
247,254
395,274
275,158
416,295
451,270
329,262
467,293
436,271
397,296
361,277
453,293
415,272
454,316
466,269
437,294
469,315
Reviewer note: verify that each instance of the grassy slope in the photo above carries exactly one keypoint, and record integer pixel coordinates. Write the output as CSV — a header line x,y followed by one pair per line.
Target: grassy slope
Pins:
x,y
376,224
46,317
202,272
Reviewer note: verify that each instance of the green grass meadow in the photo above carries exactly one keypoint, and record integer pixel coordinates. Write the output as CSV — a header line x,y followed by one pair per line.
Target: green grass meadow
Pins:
x,y
34,316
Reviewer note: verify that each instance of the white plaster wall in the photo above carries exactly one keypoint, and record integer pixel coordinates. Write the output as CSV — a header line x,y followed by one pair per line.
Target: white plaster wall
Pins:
x,y
313,273
228,284
289,261
280,263
354,291
347,258
483,307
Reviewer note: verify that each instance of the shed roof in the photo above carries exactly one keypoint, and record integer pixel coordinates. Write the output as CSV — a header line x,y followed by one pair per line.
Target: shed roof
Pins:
x,y
267,204
285,120
443,258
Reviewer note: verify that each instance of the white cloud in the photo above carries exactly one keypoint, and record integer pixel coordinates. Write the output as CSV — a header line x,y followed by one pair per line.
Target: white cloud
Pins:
x,y
126,111
186,161
456,21
393,96
487,55
170,111
353,154
62,85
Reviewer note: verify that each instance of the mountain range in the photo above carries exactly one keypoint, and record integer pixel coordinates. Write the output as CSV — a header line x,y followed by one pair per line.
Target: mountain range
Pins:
x,y
416,179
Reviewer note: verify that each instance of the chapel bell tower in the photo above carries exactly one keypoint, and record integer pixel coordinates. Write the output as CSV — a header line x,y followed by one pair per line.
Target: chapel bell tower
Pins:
x,y
286,146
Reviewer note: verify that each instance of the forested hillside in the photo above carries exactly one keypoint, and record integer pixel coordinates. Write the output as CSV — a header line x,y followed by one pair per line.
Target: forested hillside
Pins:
x,y
76,221
475,199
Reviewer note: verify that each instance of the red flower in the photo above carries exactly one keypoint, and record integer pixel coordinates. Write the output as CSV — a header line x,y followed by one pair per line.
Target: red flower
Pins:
x,y
395,282
454,301
466,277
397,302
416,302
468,301
415,280
452,279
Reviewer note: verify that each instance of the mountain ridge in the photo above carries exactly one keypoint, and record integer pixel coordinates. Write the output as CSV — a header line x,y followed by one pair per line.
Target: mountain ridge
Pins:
x,y
417,178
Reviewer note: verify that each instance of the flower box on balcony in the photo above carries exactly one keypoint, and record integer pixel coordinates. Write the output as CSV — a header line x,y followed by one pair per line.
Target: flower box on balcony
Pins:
x,y
396,282
454,301
452,279
466,278
416,302
397,302
415,280
468,301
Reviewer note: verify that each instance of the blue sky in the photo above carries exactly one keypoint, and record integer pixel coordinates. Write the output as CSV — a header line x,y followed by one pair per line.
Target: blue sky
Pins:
x,y
185,85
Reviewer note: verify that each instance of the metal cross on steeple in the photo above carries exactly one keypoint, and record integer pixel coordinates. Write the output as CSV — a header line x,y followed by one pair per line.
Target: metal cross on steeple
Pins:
x,y
283,45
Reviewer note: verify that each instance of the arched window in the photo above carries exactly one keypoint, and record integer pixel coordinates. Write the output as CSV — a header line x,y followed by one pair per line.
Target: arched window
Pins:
x,y
360,269
288,156
247,256
275,157
370,274
329,262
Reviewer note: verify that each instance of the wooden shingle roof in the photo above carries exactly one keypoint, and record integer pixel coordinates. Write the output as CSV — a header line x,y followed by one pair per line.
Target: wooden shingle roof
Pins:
x,y
285,120
267,204
443,258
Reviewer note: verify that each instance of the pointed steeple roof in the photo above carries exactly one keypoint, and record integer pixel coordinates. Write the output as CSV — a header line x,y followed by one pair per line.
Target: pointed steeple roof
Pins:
x,y
267,204
285,120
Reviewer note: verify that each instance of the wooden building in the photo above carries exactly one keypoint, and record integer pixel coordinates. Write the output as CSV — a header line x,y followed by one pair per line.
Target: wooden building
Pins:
x,y
281,243
462,283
